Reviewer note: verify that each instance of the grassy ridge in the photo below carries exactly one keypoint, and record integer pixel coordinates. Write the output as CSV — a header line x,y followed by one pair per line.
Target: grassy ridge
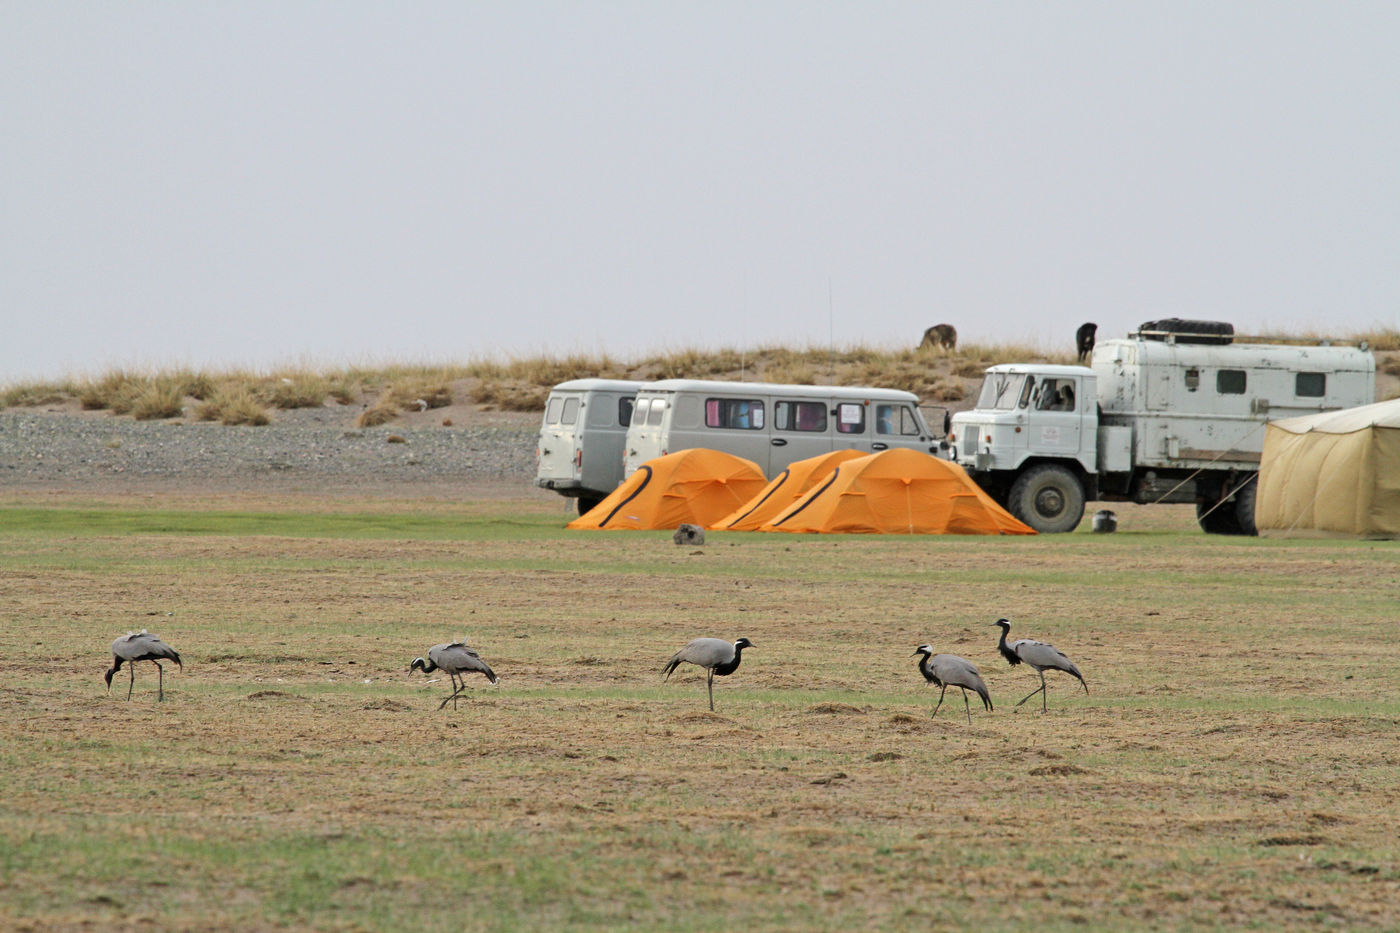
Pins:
x,y
1234,766
523,383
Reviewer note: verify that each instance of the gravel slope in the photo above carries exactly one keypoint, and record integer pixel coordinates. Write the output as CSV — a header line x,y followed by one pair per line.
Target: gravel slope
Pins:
x,y
316,450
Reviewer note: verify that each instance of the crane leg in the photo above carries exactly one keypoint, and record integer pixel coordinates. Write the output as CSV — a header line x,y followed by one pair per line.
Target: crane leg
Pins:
x,y
940,700
1039,689
456,691
710,686
966,706
160,681
131,684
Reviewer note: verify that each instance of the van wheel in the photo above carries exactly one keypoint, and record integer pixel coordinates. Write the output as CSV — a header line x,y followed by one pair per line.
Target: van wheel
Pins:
x,y
586,503
1047,497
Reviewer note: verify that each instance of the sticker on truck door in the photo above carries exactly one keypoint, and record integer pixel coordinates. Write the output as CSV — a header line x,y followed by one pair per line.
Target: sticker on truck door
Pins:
x,y
1050,434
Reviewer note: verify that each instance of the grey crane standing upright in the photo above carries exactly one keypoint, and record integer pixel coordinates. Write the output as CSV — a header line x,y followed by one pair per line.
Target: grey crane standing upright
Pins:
x,y
458,660
949,670
716,655
1038,655
141,646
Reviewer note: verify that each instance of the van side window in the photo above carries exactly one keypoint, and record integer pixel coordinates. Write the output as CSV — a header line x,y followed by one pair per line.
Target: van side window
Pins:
x,y
552,410
1230,382
570,415
908,424
744,414
658,408
624,410
1310,385
799,416
850,418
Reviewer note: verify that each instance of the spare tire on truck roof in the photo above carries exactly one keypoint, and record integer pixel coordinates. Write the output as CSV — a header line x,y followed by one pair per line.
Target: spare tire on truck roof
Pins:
x,y
1183,331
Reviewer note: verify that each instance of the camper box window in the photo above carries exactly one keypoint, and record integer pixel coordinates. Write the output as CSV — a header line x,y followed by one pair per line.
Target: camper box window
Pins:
x,y
624,410
1230,382
570,415
799,416
1310,385
744,414
658,408
850,418
639,413
551,412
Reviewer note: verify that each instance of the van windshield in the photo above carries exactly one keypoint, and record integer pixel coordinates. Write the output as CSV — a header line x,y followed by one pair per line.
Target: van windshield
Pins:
x,y
1001,391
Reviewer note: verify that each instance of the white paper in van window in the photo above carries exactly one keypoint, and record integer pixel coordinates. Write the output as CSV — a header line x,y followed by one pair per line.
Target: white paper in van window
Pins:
x,y
758,417
850,414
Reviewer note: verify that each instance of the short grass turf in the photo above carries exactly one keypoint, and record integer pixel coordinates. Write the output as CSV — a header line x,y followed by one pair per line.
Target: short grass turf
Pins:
x,y
1234,765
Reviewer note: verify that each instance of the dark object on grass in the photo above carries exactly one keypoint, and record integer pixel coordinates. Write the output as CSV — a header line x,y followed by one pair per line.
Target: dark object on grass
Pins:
x,y
689,534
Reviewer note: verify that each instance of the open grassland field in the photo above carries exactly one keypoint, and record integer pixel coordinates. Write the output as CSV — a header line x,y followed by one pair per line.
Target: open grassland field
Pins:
x,y
1235,765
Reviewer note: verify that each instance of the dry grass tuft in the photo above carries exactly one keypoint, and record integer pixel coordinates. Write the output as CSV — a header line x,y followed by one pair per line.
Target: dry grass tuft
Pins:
x,y
159,399
298,390
381,412
234,405
509,396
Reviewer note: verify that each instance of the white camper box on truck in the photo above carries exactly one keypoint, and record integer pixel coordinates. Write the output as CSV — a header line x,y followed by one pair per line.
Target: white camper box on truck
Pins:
x,y
581,439
771,424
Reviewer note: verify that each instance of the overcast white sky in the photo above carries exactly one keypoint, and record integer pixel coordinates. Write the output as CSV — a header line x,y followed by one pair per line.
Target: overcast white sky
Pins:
x,y
263,183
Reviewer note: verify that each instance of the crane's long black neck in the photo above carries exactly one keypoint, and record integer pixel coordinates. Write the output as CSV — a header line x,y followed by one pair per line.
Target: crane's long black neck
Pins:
x,y
426,667
723,669
1011,656
926,668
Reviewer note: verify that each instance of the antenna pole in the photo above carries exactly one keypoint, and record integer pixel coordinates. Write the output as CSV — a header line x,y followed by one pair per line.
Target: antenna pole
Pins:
x,y
830,333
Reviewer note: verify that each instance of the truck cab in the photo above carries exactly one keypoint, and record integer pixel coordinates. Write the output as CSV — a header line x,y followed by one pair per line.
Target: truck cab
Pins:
x,y
1039,421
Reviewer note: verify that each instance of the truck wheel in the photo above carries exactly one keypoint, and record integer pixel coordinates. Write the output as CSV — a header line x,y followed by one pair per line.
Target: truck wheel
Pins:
x,y
586,503
1047,497
1244,507
1235,517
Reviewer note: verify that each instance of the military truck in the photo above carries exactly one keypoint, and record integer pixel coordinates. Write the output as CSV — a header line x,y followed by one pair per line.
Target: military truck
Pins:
x,y
1173,413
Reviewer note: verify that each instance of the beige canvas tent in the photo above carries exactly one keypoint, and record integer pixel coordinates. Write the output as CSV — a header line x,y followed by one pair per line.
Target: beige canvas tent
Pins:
x,y
1335,472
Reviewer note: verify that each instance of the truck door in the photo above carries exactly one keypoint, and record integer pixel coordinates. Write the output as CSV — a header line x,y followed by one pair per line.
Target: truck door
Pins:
x,y
1056,416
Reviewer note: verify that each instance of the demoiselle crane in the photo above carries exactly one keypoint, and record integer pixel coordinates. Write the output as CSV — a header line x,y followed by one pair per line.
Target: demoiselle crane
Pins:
x,y
716,655
141,646
1039,655
949,670
457,660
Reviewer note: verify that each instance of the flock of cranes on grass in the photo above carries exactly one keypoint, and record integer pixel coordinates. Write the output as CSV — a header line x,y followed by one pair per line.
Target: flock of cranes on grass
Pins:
x,y
718,657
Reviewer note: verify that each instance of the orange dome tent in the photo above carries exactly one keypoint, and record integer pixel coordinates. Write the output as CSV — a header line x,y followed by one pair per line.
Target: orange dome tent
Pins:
x,y
695,486
898,491
785,489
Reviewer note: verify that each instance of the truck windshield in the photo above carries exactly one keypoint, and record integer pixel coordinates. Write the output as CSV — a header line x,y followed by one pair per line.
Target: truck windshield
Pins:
x,y
1001,391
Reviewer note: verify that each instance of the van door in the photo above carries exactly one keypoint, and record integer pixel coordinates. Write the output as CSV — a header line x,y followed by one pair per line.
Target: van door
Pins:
x,y
738,425
606,416
900,424
558,449
801,429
